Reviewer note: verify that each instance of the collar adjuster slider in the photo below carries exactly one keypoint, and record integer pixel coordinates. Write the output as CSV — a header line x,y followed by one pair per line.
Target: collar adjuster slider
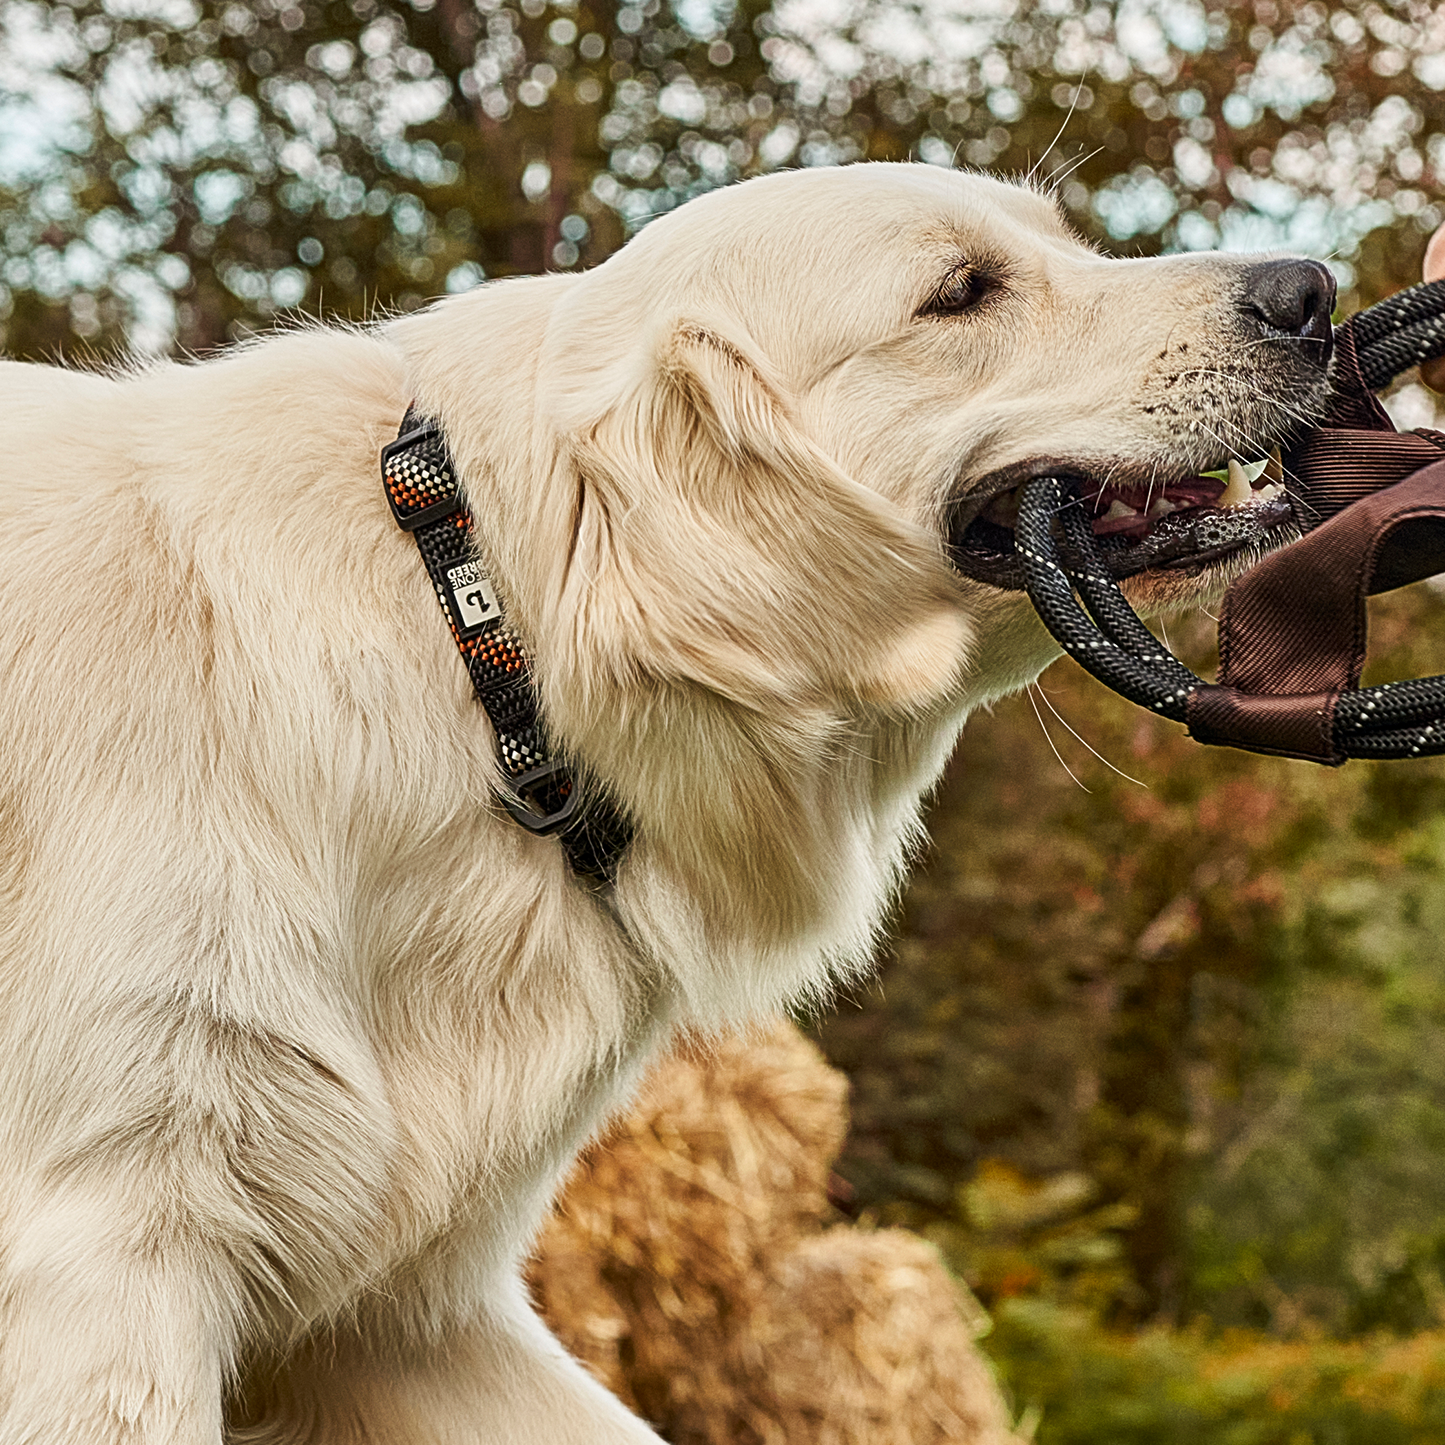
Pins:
x,y
420,481
532,798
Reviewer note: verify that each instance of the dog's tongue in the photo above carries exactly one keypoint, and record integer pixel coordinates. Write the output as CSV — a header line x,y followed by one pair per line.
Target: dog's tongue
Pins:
x,y
1114,513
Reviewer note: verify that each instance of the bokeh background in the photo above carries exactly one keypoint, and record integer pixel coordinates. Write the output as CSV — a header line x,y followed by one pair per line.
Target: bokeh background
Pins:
x,y
1157,1054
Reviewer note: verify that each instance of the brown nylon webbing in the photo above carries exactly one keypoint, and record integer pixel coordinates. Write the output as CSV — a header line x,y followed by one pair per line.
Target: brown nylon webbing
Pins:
x,y
1292,633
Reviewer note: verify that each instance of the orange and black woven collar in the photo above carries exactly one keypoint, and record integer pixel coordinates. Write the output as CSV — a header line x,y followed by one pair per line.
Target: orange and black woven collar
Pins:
x,y
539,789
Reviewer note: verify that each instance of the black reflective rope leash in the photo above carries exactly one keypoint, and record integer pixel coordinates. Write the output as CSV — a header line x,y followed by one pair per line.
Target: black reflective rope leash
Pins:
x,y
1106,637
1400,332
542,792
1395,720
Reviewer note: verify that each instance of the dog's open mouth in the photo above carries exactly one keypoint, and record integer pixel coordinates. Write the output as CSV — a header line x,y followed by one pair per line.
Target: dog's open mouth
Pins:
x,y
1141,524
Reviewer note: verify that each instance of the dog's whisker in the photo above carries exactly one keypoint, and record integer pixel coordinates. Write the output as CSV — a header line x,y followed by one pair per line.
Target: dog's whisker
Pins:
x,y
1253,446
1250,390
1228,446
1085,741
1249,446
1059,176
1153,477
1073,106
1030,690
1244,344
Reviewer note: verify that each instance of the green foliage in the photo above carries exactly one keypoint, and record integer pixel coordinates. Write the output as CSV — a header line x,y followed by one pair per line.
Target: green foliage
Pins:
x,y
1216,999
1077,1384
1046,1239
1327,1205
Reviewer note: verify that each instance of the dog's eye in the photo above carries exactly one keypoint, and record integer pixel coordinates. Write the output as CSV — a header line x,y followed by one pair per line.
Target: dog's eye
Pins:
x,y
962,289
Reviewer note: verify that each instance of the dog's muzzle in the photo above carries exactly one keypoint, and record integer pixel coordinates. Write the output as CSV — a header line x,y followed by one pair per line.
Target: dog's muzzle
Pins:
x,y
1292,633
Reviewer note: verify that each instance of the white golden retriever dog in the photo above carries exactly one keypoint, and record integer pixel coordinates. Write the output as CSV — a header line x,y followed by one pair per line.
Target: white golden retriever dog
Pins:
x,y
299,1029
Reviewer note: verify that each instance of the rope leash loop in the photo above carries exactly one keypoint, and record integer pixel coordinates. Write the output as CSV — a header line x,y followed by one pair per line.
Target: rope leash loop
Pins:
x,y
1106,645
1393,720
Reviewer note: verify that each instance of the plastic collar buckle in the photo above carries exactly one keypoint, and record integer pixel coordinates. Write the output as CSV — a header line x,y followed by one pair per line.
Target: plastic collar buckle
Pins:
x,y
437,478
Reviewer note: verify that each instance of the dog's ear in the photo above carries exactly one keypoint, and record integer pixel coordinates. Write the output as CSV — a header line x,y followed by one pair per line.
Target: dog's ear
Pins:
x,y
717,543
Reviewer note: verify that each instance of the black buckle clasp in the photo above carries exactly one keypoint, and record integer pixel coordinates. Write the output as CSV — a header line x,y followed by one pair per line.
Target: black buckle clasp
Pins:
x,y
524,797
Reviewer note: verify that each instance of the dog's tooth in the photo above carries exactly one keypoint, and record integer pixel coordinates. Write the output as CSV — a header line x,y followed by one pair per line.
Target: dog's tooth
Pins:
x,y
1269,493
1118,509
1237,492
1161,508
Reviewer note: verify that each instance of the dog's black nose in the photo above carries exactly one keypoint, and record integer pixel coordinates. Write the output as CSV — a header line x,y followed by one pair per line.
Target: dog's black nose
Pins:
x,y
1295,297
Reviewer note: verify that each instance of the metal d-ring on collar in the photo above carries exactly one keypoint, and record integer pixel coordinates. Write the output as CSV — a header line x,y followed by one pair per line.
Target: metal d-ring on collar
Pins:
x,y
541,791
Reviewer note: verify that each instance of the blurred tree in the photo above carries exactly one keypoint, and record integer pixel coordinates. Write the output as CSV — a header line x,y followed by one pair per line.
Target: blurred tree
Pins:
x,y
233,160
181,168
1076,969
1213,1001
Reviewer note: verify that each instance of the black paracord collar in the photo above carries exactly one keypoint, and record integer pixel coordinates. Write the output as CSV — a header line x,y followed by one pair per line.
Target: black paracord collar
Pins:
x,y
1106,637
542,791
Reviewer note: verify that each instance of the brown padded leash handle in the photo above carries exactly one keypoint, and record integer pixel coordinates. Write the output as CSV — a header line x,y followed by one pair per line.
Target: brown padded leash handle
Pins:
x,y
1292,634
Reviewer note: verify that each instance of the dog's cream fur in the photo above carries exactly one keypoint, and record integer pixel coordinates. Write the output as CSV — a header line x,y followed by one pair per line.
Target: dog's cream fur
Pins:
x,y
298,1030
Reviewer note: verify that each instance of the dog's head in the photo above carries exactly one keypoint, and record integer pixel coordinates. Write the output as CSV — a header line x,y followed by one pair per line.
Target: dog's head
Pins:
x,y
812,399
752,491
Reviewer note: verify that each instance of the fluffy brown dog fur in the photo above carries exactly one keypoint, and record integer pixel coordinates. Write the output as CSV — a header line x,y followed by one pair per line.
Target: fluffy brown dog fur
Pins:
x,y
298,1031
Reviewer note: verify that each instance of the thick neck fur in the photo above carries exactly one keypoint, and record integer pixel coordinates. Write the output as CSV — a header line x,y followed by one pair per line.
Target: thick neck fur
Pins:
x,y
299,894
246,803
